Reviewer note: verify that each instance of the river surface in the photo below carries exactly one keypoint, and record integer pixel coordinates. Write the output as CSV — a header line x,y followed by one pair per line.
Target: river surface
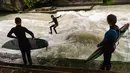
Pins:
x,y
78,33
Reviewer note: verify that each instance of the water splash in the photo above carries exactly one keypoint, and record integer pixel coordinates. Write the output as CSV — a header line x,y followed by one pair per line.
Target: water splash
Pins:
x,y
93,21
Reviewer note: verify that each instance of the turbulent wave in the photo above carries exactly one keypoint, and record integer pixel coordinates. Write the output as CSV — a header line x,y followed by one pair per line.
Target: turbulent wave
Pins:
x,y
78,32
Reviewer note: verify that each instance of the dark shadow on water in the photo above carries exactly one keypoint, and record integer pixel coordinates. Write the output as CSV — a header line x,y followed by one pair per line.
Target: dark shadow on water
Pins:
x,y
5,12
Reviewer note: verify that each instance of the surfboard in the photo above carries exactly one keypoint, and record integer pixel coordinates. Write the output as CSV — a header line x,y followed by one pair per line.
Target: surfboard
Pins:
x,y
99,52
35,44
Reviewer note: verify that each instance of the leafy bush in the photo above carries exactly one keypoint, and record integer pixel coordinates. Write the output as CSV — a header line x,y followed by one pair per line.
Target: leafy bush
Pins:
x,y
107,2
31,3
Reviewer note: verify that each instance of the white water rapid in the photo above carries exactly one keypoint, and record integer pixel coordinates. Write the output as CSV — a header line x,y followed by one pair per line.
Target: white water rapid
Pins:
x,y
78,33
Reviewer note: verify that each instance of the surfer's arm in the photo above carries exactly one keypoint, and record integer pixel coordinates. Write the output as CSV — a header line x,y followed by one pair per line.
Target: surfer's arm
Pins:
x,y
58,16
102,43
10,34
29,32
104,40
51,21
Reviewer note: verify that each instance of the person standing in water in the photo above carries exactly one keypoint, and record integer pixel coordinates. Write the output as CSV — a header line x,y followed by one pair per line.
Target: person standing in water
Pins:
x,y
24,45
108,42
54,19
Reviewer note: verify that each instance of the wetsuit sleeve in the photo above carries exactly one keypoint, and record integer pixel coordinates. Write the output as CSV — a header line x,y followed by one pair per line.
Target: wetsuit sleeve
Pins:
x,y
10,33
29,32
110,38
51,21
104,40
58,16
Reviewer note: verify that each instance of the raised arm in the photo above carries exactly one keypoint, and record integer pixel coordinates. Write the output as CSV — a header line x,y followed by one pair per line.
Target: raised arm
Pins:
x,y
10,34
58,16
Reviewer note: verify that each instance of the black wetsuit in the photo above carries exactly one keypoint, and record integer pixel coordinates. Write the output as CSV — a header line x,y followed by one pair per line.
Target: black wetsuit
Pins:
x,y
54,25
117,29
55,21
24,44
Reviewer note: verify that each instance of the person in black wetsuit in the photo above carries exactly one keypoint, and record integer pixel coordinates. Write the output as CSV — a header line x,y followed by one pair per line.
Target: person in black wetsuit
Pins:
x,y
24,45
108,42
54,19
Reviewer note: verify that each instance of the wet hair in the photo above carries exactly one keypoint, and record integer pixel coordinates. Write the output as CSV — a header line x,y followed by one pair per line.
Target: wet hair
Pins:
x,y
17,20
52,15
111,19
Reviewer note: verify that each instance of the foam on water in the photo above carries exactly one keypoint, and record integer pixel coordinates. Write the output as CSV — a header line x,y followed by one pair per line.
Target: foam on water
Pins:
x,y
93,21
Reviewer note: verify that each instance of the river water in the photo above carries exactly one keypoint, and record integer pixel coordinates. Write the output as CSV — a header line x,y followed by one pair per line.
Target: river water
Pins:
x,y
78,33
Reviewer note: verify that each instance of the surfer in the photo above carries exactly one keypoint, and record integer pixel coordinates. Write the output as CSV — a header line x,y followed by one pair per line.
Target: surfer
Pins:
x,y
54,19
108,42
115,27
24,45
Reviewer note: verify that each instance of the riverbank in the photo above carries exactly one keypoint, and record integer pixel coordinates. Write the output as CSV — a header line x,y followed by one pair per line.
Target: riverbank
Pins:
x,y
19,68
57,9
67,8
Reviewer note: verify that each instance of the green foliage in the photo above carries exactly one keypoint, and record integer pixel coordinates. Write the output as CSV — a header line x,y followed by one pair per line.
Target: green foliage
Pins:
x,y
108,2
30,3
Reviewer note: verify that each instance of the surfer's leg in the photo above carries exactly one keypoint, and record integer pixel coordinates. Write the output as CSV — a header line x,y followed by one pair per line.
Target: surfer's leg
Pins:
x,y
55,29
51,28
24,57
108,67
107,61
104,62
29,57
